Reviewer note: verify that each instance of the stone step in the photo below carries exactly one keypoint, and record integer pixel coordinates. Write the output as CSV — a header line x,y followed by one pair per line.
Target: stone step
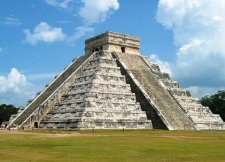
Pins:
x,y
100,93
154,67
208,118
127,99
85,69
170,84
98,104
94,74
210,126
93,66
98,124
99,71
102,115
161,75
124,108
102,61
198,111
91,119
179,92
103,86
99,100
101,77
186,99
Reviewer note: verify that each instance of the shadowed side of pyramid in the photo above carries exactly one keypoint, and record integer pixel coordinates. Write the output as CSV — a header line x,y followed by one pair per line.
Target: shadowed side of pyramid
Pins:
x,y
153,93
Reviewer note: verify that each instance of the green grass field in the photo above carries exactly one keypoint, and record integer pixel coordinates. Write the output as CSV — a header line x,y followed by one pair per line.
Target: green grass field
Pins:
x,y
112,145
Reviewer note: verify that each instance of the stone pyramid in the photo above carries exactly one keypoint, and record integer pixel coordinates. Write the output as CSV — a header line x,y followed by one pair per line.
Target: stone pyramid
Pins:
x,y
98,98
112,87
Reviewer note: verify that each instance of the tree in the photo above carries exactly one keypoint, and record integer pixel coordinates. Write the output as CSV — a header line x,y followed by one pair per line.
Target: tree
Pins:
x,y
6,111
216,103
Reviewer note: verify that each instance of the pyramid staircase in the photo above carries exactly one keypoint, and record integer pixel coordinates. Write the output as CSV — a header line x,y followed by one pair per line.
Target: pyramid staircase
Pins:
x,y
202,116
161,103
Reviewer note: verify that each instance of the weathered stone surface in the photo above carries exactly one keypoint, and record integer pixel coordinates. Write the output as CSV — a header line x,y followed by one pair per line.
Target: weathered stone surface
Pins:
x,y
113,86
111,41
99,98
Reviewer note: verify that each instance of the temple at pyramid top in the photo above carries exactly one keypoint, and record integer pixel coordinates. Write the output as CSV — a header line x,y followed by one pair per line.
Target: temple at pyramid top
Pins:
x,y
112,41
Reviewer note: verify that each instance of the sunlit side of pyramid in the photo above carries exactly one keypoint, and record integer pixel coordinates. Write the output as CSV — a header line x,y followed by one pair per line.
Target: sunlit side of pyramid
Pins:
x,y
112,87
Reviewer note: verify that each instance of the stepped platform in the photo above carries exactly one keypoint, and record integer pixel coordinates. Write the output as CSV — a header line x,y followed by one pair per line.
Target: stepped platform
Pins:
x,y
104,106
112,87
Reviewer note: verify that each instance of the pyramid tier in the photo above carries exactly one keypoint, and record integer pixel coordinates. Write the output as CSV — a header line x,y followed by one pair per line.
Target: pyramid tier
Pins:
x,y
99,98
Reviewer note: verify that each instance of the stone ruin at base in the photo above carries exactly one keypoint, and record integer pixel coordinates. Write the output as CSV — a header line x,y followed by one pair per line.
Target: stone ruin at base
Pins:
x,y
113,86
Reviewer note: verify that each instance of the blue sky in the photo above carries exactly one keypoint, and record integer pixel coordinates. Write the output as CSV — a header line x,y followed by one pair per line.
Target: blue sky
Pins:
x,y
39,38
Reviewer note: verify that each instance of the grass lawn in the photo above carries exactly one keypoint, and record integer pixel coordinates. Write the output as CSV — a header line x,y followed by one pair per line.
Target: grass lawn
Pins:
x,y
112,145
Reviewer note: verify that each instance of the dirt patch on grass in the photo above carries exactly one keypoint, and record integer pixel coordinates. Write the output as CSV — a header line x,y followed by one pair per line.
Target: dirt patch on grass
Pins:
x,y
38,134
99,133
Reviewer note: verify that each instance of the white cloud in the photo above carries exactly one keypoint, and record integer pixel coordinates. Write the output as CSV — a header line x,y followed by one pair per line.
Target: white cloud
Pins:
x,y
61,4
91,12
12,21
14,81
97,11
80,32
14,88
187,47
199,35
164,66
44,32
200,92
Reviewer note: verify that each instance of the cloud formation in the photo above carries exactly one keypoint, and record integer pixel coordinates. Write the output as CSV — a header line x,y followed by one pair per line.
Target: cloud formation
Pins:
x,y
14,88
91,12
199,35
45,33
97,11
202,91
12,21
164,66
61,4
80,31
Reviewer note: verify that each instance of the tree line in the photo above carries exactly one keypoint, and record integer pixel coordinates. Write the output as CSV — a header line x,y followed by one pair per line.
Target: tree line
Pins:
x,y
6,111
216,103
